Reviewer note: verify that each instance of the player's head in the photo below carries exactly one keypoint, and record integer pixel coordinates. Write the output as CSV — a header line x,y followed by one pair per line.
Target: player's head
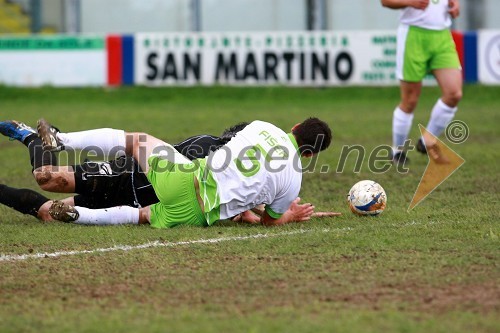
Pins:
x,y
230,132
312,135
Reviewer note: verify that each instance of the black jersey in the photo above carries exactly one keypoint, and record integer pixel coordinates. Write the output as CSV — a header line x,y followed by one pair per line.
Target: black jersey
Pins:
x,y
122,182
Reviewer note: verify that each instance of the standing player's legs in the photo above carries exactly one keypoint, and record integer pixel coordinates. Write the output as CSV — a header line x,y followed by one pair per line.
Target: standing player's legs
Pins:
x,y
446,68
450,82
411,67
410,94
402,117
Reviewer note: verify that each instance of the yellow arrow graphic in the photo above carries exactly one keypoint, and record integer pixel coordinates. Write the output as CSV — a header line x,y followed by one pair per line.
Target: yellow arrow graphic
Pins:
x,y
443,162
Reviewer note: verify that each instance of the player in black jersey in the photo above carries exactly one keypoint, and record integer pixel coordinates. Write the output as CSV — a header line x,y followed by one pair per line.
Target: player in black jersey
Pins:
x,y
97,184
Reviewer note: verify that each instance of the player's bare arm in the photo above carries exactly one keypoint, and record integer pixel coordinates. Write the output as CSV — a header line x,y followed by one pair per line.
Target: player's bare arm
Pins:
x,y
454,8
398,4
295,213
247,217
259,210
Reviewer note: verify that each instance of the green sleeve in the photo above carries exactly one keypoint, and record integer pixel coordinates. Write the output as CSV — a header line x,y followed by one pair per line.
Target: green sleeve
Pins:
x,y
272,213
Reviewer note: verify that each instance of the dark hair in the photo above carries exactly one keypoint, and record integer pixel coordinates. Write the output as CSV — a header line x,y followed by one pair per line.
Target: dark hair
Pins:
x,y
230,132
312,135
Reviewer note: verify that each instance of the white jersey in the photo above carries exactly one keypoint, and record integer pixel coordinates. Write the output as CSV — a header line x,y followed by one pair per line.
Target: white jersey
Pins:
x,y
434,17
260,165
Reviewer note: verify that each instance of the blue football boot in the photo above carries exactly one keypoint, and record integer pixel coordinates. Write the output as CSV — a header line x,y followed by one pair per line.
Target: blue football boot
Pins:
x,y
16,130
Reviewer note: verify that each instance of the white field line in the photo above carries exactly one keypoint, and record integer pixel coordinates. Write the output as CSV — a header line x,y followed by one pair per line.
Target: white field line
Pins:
x,y
19,257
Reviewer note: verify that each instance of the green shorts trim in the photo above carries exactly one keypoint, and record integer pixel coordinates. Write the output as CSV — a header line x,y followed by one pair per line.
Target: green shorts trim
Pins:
x,y
174,187
272,213
426,50
208,192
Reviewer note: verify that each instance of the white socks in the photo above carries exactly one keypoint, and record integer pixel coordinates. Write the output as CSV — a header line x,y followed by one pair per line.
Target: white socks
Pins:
x,y
441,116
104,142
108,216
401,125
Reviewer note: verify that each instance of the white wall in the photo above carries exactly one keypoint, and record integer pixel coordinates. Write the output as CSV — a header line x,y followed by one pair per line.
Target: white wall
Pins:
x,y
126,16
52,12
492,14
174,15
122,16
360,15
369,14
253,15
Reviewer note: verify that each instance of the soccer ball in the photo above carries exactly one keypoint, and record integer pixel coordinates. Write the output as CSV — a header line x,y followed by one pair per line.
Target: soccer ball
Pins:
x,y
367,198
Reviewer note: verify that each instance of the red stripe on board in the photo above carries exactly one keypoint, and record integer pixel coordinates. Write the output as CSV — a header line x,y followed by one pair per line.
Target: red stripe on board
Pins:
x,y
458,37
114,48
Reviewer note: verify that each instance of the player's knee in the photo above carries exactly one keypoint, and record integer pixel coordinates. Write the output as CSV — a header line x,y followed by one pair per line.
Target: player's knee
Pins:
x,y
409,105
129,143
43,212
454,97
133,141
51,182
44,179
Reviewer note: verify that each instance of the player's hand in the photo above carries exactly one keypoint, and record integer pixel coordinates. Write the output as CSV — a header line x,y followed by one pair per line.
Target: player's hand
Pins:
x,y
325,214
454,8
247,217
419,4
300,212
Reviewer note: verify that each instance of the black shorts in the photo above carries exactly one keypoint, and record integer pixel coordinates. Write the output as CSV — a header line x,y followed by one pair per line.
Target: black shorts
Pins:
x,y
115,183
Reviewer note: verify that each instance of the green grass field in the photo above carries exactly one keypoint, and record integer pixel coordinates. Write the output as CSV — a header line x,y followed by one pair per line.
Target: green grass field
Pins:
x,y
433,269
